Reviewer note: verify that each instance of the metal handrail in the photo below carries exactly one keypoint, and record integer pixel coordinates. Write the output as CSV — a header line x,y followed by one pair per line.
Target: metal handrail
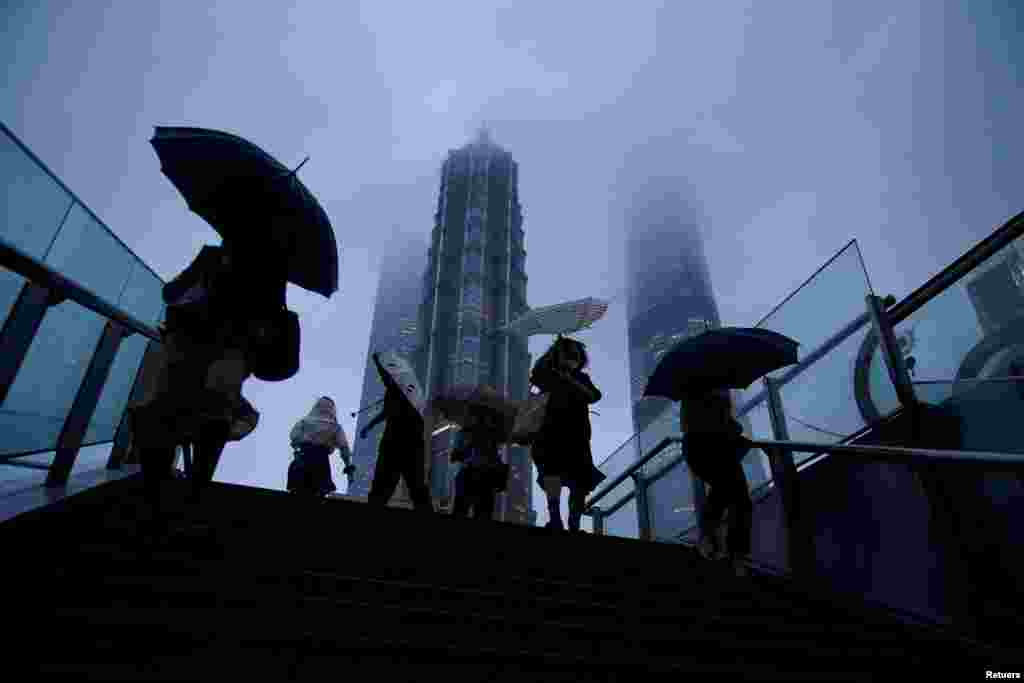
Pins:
x,y
899,454
662,445
1004,235
895,454
72,197
896,313
33,270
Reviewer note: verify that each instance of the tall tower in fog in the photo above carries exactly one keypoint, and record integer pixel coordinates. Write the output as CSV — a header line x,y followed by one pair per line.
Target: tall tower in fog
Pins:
x,y
394,328
669,298
474,284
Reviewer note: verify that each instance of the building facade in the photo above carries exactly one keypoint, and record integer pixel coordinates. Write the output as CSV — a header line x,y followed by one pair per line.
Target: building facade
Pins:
x,y
669,298
474,284
394,328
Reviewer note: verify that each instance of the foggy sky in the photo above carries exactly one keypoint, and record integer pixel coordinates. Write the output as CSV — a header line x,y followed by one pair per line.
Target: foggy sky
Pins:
x,y
798,125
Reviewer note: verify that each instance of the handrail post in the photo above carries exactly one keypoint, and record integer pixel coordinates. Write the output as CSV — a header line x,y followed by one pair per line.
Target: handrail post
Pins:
x,y
894,362
19,330
597,515
76,424
785,475
643,511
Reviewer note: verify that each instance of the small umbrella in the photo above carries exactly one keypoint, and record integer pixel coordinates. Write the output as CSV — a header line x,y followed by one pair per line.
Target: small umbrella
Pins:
x,y
395,372
456,402
564,318
724,358
241,191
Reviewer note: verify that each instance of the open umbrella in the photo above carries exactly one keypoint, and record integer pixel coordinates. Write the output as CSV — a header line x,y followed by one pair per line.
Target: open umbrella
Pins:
x,y
455,404
724,358
246,195
396,372
564,318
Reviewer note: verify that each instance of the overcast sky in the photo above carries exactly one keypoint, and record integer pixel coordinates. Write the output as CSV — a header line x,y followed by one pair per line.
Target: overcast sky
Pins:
x,y
799,125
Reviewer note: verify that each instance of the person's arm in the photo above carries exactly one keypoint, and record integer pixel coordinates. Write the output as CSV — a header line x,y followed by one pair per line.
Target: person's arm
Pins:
x,y
373,423
189,277
582,386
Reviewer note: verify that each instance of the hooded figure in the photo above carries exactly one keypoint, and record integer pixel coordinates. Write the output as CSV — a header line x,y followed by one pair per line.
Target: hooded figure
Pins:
x,y
313,439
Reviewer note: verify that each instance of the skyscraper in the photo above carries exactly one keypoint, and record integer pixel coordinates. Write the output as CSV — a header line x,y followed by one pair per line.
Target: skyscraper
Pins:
x,y
474,284
669,299
394,328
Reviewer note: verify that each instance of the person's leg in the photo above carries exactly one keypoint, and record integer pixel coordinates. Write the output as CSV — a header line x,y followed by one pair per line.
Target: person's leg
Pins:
x,y
156,456
736,493
385,477
577,500
553,491
213,436
483,505
412,470
460,507
704,464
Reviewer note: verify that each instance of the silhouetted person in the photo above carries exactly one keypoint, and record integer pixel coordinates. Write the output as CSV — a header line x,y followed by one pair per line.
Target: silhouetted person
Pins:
x,y
561,451
714,447
198,400
400,454
483,473
313,439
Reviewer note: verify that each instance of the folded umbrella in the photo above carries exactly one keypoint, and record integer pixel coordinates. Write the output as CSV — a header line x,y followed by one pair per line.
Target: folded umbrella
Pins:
x,y
246,195
396,372
723,358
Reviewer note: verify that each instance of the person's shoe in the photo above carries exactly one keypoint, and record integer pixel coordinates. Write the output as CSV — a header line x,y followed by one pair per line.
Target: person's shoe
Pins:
x,y
555,525
708,549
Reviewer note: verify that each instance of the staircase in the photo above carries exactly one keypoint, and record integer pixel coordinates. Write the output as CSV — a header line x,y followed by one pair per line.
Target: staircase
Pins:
x,y
285,589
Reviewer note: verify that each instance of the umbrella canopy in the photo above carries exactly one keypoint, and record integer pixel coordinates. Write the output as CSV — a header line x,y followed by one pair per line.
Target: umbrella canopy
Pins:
x,y
246,195
457,402
564,318
396,372
725,358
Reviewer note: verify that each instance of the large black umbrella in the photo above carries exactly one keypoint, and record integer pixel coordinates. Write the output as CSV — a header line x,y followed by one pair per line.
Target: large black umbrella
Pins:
x,y
724,358
246,195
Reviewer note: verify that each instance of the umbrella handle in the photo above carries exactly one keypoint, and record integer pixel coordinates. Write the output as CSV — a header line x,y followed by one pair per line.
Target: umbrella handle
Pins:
x,y
365,408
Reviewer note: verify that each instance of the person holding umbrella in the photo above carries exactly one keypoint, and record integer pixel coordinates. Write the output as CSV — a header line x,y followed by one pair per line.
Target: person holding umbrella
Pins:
x,y
482,474
226,313
400,454
313,439
561,451
714,447
198,396
698,372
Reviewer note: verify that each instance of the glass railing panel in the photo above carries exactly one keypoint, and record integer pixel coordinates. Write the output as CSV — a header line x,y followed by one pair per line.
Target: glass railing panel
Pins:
x,y
614,495
826,303
38,401
92,458
116,389
142,297
757,424
14,479
618,462
819,403
32,203
85,251
624,522
670,501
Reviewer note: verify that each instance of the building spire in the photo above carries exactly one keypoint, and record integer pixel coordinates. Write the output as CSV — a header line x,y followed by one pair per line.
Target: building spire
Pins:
x,y
483,135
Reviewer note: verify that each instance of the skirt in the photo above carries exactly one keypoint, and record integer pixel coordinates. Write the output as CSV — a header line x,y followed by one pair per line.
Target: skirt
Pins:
x,y
310,471
573,466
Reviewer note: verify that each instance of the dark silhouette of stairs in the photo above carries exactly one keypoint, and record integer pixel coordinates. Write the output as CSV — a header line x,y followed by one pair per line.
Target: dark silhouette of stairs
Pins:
x,y
285,589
